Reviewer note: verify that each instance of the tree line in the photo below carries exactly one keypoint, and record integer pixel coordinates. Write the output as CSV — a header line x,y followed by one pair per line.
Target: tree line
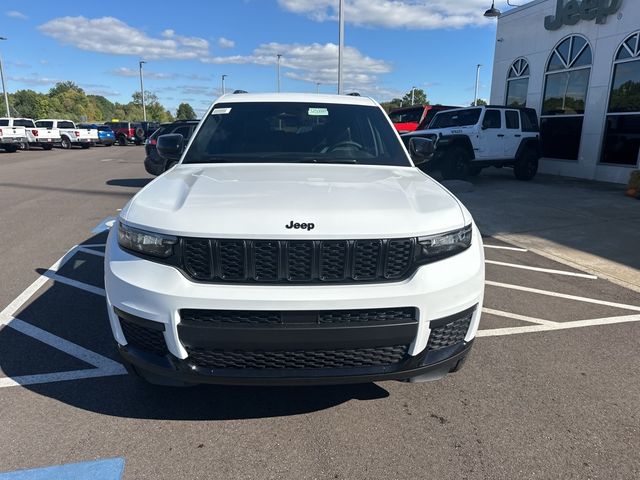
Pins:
x,y
69,101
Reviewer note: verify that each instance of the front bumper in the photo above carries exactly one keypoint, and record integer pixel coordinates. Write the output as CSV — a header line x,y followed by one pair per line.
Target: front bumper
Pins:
x,y
141,363
157,293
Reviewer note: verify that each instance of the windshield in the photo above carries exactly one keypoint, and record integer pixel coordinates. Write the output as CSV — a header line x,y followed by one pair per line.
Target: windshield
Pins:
x,y
406,116
296,132
456,118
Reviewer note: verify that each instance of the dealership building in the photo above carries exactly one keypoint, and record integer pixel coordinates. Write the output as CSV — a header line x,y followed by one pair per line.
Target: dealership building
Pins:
x,y
577,62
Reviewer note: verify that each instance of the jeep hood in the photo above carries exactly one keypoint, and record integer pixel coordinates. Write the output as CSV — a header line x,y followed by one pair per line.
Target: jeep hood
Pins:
x,y
258,200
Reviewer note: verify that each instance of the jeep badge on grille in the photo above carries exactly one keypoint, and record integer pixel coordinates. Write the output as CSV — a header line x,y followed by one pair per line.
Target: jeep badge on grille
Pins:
x,y
300,226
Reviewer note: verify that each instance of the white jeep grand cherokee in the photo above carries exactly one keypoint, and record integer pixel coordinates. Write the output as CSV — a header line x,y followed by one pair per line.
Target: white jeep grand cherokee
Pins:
x,y
294,243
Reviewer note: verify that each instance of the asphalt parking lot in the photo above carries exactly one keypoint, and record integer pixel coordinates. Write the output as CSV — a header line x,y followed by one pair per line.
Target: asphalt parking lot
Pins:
x,y
551,390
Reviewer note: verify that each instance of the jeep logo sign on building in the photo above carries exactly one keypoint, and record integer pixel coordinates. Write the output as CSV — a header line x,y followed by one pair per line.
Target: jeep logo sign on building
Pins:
x,y
573,11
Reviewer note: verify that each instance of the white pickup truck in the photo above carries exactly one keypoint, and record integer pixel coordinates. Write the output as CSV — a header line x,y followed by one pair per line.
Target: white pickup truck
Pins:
x,y
11,137
36,136
71,135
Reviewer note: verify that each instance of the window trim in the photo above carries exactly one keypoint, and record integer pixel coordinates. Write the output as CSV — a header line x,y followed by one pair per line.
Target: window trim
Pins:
x,y
517,77
570,69
607,114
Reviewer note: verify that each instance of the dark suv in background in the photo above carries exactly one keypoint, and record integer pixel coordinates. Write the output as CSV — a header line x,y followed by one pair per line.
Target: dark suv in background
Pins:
x,y
154,163
129,132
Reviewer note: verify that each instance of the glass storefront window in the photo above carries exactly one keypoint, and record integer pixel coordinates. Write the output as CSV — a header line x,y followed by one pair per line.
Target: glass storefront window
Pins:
x,y
566,93
565,98
518,83
622,131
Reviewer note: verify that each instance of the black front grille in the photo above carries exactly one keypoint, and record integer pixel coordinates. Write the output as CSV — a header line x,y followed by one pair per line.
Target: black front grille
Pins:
x,y
147,339
299,261
451,333
300,359
335,317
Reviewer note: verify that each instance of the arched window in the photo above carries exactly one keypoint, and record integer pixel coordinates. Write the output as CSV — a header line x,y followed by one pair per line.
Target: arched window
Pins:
x,y
518,83
565,97
622,136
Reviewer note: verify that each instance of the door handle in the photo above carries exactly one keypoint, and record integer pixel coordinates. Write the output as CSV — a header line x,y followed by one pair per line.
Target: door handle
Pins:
x,y
518,136
500,135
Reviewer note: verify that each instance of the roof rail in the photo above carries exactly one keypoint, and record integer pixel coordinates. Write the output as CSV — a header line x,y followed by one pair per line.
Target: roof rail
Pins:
x,y
235,92
353,94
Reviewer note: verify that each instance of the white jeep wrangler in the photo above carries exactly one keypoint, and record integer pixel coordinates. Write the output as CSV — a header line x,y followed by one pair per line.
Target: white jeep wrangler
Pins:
x,y
470,139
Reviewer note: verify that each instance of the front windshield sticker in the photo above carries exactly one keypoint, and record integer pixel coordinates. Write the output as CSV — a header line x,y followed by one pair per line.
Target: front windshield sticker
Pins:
x,y
221,111
318,112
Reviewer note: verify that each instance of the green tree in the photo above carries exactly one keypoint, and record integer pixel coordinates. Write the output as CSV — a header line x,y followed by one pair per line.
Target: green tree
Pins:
x,y
480,103
63,87
392,104
419,97
185,112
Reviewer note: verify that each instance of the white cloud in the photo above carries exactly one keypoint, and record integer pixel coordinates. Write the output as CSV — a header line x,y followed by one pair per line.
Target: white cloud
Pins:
x,y
134,72
16,14
411,14
35,80
113,36
226,43
316,63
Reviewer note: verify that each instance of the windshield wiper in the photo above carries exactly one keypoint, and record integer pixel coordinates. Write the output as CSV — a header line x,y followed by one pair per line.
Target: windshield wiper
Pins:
x,y
328,160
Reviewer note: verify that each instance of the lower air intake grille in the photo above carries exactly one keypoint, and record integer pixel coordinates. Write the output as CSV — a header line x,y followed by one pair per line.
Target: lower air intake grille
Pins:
x,y
263,317
146,339
311,359
451,333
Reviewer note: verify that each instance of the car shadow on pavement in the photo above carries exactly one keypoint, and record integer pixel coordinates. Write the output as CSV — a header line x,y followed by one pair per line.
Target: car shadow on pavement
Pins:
x,y
125,396
80,316
129,182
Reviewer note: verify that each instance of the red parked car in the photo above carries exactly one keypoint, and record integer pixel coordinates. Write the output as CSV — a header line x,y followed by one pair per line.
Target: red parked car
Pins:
x,y
417,117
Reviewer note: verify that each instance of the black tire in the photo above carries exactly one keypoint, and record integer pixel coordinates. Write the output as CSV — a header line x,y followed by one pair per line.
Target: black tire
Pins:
x,y
526,165
11,148
85,146
122,140
47,146
455,164
65,143
23,146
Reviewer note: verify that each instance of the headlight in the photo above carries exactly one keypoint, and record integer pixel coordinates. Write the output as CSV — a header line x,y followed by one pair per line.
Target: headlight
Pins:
x,y
147,243
437,247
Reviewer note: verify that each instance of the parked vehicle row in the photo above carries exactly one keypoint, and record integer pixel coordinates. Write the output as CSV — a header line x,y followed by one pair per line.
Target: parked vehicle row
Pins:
x,y
25,133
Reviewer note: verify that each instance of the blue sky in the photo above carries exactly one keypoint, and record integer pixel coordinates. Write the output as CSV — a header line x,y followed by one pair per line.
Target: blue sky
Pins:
x,y
392,45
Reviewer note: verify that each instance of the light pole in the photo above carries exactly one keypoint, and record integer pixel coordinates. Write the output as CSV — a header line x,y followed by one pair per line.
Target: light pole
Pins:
x,y
144,107
317,87
340,44
4,88
413,95
223,89
279,55
475,95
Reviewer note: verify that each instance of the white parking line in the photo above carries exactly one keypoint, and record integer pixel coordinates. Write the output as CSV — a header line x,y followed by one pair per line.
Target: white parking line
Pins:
x,y
74,283
564,295
498,332
539,269
103,366
500,247
90,251
515,316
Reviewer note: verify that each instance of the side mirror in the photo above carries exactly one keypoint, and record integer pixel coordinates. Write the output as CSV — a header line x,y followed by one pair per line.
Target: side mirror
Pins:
x,y
421,149
170,146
